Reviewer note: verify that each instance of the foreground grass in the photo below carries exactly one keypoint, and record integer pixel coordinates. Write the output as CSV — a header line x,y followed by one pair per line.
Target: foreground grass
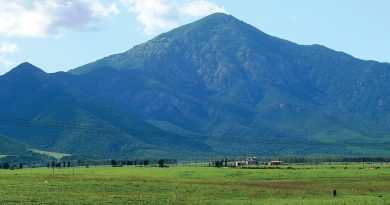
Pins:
x,y
195,185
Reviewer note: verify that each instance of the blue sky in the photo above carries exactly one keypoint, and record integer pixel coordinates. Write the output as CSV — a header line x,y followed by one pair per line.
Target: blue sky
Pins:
x,y
58,35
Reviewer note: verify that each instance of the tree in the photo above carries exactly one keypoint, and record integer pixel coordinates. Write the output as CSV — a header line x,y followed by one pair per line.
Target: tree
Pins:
x,y
225,162
113,163
218,163
160,163
53,164
69,164
21,166
6,165
146,162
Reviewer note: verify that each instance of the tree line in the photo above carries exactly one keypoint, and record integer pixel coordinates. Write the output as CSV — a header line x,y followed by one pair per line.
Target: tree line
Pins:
x,y
55,164
160,163
7,165
219,163
223,162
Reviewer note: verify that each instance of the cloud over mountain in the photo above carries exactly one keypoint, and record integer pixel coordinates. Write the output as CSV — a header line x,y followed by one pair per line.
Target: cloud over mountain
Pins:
x,y
37,18
7,48
162,15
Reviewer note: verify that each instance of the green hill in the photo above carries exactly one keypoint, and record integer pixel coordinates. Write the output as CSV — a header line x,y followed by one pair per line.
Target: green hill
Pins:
x,y
51,115
10,147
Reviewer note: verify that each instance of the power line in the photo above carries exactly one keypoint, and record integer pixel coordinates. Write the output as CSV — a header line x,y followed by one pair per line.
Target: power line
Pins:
x,y
151,133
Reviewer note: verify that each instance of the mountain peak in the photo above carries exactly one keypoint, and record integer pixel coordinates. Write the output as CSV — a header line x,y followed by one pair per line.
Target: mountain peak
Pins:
x,y
25,64
220,16
26,67
218,20
215,27
215,20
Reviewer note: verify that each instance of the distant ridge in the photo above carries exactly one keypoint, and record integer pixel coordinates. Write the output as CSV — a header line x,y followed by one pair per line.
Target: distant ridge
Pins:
x,y
48,113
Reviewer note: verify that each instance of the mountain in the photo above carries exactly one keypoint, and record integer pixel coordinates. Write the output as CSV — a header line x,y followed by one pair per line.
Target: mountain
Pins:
x,y
11,147
214,87
226,79
46,113
14,153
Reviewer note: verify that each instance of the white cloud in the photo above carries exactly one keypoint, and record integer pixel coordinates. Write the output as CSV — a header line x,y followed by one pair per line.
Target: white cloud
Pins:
x,y
37,18
162,15
7,48
99,9
200,8
5,64
17,20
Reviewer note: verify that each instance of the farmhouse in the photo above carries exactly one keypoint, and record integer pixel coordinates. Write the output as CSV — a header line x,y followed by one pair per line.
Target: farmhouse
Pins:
x,y
275,163
247,161
252,160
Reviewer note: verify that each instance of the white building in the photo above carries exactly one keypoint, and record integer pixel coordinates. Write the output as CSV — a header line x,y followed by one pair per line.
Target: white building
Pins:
x,y
248,161
252,160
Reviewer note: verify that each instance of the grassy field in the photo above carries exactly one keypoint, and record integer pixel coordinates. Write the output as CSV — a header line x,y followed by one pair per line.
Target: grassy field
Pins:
x,y
197,185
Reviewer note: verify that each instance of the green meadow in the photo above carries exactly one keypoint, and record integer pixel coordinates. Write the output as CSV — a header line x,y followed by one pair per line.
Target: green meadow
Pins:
x,y
297,184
